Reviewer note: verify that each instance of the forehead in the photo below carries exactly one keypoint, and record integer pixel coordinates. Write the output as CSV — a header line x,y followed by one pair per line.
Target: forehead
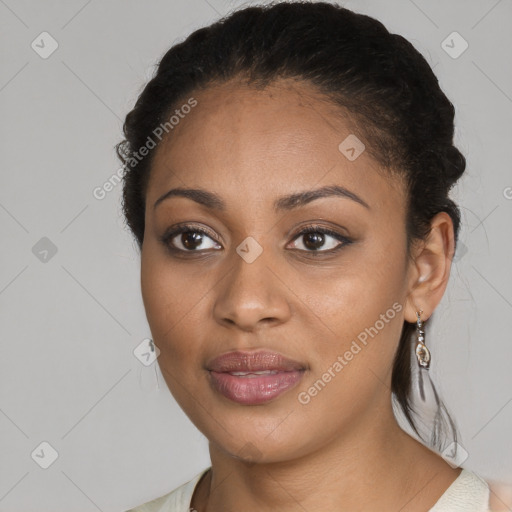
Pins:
x,y
272,141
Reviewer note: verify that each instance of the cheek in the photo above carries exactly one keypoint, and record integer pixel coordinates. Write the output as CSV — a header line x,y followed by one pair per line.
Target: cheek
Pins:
x,y
171,301
357,315
353,295
178,300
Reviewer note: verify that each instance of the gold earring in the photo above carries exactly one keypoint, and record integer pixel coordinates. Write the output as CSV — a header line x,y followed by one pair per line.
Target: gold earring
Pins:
x,y
422,352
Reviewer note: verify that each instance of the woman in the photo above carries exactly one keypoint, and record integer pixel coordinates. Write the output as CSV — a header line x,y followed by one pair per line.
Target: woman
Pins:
x,y
288,177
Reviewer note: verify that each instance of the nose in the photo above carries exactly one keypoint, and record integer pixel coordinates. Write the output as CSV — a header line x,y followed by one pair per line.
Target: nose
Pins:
x,y
252,295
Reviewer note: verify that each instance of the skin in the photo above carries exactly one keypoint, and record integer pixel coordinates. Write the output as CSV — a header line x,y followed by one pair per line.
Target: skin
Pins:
x,y
343,450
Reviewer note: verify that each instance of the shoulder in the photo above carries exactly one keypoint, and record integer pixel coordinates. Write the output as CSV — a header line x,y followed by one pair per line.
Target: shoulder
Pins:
x,y
468,493
175,501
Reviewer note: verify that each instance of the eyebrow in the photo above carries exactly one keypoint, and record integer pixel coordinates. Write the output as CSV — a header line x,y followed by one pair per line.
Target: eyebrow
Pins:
x,y
284,203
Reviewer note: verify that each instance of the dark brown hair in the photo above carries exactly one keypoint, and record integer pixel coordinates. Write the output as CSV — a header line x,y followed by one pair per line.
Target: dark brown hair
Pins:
x,y
378,78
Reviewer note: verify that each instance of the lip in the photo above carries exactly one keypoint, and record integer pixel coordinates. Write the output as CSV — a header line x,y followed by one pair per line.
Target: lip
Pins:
x,y
252,378
260,360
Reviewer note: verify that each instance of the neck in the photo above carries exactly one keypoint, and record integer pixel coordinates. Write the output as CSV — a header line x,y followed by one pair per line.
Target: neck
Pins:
x,y
373,466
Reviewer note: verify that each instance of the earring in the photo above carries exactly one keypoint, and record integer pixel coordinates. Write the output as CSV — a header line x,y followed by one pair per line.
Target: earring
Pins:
x,y
422,352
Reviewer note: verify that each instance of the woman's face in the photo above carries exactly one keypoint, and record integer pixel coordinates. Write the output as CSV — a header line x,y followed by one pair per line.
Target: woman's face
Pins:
x,y
331,305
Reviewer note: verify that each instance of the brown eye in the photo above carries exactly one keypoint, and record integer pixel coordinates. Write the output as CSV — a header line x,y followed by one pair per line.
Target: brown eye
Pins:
x,y
319,239
189,239
313,241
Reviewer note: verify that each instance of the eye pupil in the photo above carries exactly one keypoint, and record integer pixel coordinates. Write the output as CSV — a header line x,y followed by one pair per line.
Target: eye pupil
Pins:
x,y
314,240
191,239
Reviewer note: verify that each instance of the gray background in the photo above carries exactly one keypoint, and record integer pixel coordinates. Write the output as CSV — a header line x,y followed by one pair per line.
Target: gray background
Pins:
x,y
70,323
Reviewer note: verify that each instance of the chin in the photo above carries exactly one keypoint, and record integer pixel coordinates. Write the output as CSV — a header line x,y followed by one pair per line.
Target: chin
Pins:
x,y
264,441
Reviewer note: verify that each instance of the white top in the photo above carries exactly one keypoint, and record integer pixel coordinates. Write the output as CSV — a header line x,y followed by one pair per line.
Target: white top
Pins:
x,y
467,493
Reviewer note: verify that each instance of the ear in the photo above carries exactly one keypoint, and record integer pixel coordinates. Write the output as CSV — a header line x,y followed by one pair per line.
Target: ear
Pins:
x,y
429,268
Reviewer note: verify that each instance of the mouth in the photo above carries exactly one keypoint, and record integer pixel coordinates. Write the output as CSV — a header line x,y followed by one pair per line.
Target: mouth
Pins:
x,y
252,378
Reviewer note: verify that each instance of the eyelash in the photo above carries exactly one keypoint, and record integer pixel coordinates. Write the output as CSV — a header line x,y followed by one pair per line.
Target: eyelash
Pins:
x,y
169,235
